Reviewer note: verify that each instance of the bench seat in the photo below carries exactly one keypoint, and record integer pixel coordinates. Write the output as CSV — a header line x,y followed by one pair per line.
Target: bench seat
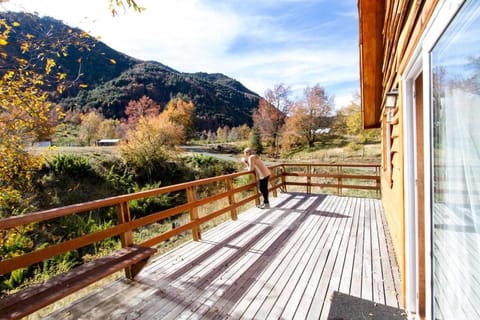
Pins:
x,y
27,301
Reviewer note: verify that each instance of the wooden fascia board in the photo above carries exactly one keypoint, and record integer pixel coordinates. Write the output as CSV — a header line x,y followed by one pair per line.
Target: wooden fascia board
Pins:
x,y
371,19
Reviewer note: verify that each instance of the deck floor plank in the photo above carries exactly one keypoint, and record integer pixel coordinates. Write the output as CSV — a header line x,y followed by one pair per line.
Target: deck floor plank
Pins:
x,y
348,265
390,275
377,272
332,244
271,281
357,272
340,257
303,293
258,292
296,265
367,281
281,263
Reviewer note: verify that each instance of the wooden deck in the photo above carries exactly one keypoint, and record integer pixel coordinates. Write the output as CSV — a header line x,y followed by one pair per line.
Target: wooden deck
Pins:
x,y
281,263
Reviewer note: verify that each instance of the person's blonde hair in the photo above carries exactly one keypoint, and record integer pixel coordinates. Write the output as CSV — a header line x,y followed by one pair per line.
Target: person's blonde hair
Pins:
x,y
248,150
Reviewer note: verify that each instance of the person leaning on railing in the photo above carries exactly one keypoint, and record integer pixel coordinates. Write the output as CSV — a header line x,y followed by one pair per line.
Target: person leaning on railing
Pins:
x,y
253,162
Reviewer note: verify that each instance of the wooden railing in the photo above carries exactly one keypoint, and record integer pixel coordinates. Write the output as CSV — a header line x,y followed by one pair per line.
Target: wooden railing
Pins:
x,y
334,178
235,190
316,175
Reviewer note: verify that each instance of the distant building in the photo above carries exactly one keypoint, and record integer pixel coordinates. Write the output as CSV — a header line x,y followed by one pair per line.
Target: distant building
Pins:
x,y
43,144
323,130
107,142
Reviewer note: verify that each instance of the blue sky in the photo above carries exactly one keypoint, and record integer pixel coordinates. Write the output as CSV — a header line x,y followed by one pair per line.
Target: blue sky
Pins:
x,y
258,42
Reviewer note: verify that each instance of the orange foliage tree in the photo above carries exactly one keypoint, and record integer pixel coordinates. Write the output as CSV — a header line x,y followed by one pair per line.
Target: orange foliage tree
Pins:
x,y
306,117
270,115
155,137
269,120
142,107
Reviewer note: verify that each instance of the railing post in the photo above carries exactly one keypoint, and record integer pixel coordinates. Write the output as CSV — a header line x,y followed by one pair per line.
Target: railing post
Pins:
x,y
284,181
192,197
339,181
126,238
309,179
231,199
378,182
124,217
273,182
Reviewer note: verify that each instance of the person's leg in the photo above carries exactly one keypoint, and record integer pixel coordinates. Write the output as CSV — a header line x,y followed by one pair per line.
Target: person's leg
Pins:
x,y
264,189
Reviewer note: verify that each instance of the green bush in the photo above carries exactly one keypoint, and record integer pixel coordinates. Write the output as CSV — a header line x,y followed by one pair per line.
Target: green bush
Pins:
x,y
145,206
71,165
205,166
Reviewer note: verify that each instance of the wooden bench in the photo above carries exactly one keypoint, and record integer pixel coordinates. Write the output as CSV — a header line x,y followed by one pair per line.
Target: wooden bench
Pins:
x,y
25,302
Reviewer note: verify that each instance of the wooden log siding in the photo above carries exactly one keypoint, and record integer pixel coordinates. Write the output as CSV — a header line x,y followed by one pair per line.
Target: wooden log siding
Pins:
x,y
126,225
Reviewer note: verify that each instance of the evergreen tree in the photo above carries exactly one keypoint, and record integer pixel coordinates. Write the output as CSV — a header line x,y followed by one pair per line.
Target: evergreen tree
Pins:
x,y
256,141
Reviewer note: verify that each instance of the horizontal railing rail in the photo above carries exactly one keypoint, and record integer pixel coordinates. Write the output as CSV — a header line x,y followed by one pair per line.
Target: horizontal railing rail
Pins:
x,y
338,177
239,189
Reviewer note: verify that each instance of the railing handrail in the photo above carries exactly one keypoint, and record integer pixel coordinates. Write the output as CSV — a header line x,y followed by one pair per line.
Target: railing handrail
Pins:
x,y
126,224
48,214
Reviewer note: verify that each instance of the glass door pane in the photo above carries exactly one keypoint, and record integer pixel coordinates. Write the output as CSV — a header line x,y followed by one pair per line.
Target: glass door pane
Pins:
x,y
456,167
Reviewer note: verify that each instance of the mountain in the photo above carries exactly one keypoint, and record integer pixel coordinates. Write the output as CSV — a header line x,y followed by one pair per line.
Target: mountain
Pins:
x,y
105,79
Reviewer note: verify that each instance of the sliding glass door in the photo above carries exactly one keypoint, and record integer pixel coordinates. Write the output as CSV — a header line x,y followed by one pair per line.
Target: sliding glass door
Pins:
x,y
455,155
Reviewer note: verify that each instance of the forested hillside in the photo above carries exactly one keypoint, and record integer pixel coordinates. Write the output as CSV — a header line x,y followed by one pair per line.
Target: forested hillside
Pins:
x,y
107,80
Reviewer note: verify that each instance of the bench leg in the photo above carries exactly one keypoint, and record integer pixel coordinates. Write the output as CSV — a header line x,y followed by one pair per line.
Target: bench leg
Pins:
x,y
134,269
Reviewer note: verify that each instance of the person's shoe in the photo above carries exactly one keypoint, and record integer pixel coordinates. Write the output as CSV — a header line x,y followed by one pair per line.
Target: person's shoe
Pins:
x,y
264,206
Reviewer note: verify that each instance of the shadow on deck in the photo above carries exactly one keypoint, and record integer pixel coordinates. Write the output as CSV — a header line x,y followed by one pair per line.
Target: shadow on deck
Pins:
x,y
282,263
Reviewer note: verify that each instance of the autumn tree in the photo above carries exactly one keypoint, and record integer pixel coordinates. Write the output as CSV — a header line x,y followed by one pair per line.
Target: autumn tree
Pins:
x,y
142,107
292,132
239,133
26,116
269,121
150,145
90,128
350,118
154,139
123,4
181,111
29,75
110,129
306,117
271,113
279,97
223,133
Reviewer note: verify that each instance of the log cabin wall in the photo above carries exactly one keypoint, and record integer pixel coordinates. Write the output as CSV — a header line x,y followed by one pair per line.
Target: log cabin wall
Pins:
x,y
389,32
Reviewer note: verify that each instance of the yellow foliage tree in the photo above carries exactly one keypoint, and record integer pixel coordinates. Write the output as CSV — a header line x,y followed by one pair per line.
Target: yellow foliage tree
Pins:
x,y
351,115
181,112
151,142
110,129
90,127
25,117
25,113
